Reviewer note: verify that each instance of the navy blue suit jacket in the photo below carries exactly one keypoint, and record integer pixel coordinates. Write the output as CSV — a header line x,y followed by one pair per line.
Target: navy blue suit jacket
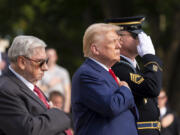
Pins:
x,y
99,105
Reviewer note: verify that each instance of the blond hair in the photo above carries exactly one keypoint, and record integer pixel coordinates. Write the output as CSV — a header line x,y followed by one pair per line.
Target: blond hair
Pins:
x,y
94,33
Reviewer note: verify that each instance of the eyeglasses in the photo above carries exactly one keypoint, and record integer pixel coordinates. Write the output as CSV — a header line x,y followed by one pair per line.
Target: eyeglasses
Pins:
x,y
41,62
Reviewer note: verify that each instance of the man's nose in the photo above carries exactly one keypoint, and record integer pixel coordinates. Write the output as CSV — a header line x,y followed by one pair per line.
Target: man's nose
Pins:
x,y
44,67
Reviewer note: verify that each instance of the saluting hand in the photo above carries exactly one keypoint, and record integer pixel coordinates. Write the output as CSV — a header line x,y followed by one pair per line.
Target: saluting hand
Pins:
x,y
145,45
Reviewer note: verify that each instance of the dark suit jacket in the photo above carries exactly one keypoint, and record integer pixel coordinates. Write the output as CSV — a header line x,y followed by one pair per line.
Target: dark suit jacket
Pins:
x,y
23,113
99,105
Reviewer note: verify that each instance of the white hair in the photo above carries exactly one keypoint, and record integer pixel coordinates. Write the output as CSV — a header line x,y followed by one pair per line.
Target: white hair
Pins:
x,y
24,46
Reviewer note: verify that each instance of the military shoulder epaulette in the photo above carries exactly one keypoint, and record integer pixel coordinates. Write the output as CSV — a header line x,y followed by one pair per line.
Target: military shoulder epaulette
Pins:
x,y
155,66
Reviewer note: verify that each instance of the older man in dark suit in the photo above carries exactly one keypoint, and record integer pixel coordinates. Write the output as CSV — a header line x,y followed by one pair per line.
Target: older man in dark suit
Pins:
x,y
102,104
23,108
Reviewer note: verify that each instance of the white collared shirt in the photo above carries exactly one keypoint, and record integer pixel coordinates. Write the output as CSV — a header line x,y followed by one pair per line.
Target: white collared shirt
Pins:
x,y
27,83
102,65
134,63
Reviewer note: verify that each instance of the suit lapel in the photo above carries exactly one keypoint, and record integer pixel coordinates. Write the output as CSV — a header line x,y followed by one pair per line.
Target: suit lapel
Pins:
x,y
101,70
137,68
110,79
24,88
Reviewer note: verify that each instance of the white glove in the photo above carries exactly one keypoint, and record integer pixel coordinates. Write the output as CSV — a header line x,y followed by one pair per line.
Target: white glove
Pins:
x,y
145,45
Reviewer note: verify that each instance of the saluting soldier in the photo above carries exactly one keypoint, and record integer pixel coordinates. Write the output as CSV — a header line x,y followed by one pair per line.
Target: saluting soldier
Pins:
x,y
145,84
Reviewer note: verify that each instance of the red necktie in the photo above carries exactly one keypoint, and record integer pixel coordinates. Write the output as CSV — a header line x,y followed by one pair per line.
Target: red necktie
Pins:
x,y
113,75
68,132
41,96
43,99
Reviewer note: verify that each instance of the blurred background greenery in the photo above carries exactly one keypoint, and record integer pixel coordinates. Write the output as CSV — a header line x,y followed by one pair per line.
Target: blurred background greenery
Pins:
x,y
61,24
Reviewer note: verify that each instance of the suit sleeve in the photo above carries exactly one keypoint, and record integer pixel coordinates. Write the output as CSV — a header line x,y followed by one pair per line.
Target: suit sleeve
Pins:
x,y
17,120
104,98
146,83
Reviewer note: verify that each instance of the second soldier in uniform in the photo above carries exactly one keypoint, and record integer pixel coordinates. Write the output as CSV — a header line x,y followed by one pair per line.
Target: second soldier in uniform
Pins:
x,y
145,84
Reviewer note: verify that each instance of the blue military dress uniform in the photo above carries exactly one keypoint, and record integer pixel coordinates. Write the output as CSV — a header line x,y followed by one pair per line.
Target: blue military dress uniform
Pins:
x,y
145,86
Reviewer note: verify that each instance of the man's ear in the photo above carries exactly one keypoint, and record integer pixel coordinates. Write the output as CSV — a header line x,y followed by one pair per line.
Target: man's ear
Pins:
x,y
94,49
21,62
